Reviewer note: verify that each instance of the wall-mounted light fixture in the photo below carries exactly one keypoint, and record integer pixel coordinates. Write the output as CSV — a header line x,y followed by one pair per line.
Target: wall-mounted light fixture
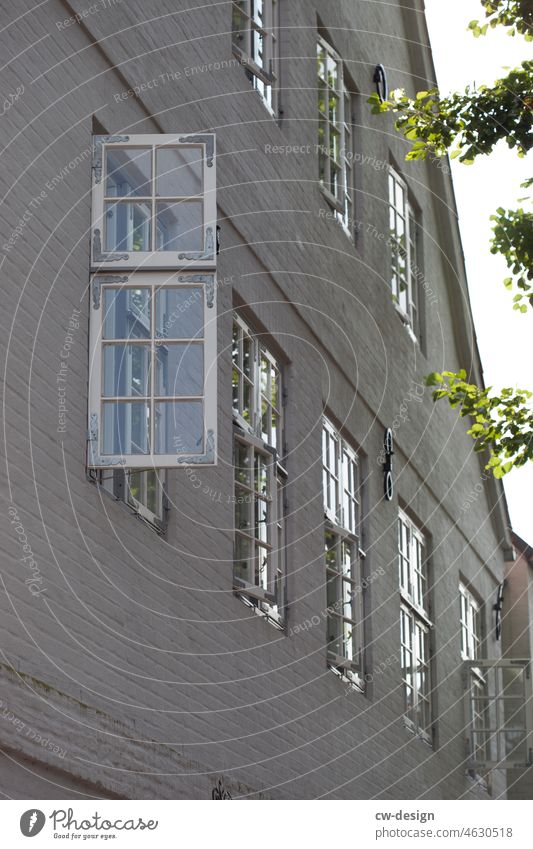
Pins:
x,y
380,79
388,482
498,607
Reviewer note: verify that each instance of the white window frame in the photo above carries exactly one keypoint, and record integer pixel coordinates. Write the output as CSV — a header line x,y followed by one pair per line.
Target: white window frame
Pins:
x,y
492,708
259,352
403,253
470,620
342,510
266,593
113,260
415,639
206,455
342,201
264,77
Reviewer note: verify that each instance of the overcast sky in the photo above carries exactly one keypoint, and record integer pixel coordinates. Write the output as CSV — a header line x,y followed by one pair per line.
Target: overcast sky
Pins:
x,y
505,337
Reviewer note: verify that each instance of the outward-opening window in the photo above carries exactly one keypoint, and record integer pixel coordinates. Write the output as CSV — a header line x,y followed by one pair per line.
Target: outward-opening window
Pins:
x,y
142,490
403,251
415,627
154,203
343,554
259,571
335,142
255,27
152,387
470,621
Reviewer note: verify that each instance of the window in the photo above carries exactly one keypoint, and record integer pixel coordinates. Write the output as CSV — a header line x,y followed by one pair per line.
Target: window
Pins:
x,y
259,572
499,720
403,250
255,40
415,627
343,554
152,382
335,145
470,620
142,490
154,203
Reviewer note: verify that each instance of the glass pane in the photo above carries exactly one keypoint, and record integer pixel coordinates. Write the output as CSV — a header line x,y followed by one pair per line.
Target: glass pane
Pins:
x,y
331,550
179,369
261,520
247,356
332,594
125,427
242,463
128,172
126,370
261,567
152,490
180,312
243,501
179,427
127,226
126,313
179,171
261,474
243,553
135,481
180,226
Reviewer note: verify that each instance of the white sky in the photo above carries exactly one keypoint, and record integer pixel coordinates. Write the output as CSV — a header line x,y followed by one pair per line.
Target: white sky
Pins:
x,y
504,336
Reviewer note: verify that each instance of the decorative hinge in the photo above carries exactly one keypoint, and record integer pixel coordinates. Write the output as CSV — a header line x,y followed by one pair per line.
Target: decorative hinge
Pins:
x,y
98,144
208,140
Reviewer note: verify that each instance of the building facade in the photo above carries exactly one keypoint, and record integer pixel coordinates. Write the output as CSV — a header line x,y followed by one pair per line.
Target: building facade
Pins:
x,y
245,556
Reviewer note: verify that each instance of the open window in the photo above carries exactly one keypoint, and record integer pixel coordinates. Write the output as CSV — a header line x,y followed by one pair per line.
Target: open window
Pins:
x,y
343,554
152,378
335,135
403,245
415,628
256,43
154,201
498,696
259,562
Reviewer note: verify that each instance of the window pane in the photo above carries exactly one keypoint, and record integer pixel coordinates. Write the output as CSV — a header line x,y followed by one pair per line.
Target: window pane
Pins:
x,y
179,171
180,312
243,502
243,553
127,226
262,520
242,463
125,427
179,427
179,369
126,313
126,370
128,172
180,226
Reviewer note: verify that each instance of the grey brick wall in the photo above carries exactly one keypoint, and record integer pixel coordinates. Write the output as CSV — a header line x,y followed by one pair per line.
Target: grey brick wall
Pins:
x,y
138,659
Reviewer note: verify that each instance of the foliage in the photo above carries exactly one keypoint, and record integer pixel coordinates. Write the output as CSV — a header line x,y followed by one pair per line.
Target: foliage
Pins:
x,y
513,238
515,14
474,120
501,424
466,125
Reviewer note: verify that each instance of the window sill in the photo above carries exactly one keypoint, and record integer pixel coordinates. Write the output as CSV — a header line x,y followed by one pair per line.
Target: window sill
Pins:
x,y
147,518
423,736
406,321
335,205
262,603
348,676
250,66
